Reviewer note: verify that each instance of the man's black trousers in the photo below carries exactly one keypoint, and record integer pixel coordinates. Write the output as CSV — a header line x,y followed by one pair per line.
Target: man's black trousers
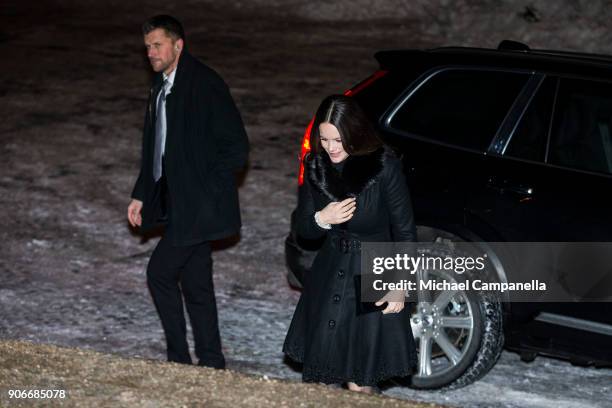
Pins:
x,y
175,272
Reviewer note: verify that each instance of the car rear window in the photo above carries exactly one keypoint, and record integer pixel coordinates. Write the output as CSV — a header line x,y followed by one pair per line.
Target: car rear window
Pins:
x,y
462,107
582,130
376,98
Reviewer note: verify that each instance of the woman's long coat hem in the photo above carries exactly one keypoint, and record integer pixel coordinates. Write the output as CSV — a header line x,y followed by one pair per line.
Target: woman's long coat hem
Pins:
x,y
326,334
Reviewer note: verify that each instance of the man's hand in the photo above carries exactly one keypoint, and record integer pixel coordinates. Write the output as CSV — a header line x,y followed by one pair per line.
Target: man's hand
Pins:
x,y
338,212
394,299
133,214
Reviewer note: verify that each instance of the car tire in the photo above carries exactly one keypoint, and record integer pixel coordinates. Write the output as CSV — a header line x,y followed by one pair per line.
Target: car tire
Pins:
x,y
488,345
482,345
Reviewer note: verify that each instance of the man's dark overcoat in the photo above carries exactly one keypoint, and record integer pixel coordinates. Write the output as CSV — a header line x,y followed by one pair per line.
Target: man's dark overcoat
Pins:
x,y
205,144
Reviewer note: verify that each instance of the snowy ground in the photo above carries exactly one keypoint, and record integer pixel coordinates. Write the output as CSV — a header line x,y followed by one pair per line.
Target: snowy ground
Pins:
x,y
73,94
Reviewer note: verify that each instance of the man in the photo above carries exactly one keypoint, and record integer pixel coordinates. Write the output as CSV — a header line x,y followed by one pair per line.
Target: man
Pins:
x,y
193,142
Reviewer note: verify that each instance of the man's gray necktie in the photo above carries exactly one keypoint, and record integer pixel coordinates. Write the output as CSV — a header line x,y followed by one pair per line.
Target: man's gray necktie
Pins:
x,y
160,131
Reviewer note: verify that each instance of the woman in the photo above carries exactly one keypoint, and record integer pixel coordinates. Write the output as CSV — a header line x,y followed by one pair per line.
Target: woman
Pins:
x,y
354,191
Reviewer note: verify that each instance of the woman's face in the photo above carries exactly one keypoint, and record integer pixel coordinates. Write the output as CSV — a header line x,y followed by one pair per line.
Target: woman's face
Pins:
x,y
331,142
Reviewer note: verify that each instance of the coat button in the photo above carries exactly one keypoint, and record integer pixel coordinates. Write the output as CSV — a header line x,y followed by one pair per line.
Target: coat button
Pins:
x,y
336,298
341,273
331,324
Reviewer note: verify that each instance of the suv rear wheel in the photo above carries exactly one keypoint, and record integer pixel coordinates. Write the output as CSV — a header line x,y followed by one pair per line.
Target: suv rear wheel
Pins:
x,y
459,334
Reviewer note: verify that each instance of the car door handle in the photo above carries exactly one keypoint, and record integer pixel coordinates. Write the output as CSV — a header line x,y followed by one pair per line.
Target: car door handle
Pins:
x,y
523,190
505,186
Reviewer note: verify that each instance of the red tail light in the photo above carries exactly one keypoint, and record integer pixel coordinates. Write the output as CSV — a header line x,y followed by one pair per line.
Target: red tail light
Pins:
x,y
349,92
305,149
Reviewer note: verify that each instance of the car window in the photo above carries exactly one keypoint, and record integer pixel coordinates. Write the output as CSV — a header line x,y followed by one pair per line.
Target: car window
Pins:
x,y
582,130
528,140
376,98
460,107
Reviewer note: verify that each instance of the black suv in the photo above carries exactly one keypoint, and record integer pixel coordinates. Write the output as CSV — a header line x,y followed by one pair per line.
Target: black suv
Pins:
x,y
498,145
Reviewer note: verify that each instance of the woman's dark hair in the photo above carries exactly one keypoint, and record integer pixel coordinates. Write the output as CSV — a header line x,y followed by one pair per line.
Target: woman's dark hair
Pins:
x,y
359,137
170,24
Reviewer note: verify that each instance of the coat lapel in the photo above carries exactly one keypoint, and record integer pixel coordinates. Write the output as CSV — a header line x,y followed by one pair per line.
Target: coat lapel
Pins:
x,y
358,173
157,81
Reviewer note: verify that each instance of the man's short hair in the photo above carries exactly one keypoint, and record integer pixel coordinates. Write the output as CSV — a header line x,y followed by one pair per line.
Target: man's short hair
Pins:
x,y
171,25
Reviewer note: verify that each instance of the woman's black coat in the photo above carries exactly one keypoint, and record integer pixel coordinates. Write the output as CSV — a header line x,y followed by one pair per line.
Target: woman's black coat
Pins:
x,y
334,343
205,144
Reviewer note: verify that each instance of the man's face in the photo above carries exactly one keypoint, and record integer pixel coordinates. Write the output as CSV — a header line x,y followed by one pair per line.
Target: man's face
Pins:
x,y
162,50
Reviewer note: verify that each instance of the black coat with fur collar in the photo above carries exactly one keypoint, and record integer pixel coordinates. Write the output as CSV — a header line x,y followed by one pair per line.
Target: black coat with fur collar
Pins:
x,y
326,334
384,210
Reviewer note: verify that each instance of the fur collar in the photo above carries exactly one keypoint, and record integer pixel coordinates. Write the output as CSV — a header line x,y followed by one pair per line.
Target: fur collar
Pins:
x,y
358,173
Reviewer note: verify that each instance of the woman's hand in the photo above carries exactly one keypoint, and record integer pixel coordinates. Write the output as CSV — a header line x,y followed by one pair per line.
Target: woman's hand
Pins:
x,y
394,299
338,212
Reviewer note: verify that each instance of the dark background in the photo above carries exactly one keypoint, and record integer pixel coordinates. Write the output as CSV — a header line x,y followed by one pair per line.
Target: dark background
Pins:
x,y
73,90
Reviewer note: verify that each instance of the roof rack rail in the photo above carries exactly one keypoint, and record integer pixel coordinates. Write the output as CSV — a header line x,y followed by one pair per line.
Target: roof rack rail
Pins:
x,y
574,54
